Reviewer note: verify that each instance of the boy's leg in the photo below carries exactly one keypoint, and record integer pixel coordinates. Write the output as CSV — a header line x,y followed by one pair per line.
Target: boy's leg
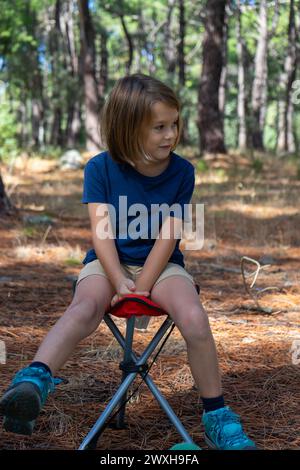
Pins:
x,y
23,400
179,298
92,297
177,295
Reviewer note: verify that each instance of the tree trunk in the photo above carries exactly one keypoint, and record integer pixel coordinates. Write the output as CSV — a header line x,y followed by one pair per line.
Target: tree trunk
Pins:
x,y
142,46
259,90
181,56
6,207
286,141
37,102
242,128
56,131
170,48
73,124
91,98
23,138
223,79
181,69
103,75
291,140
210,120
56,54
33,82
130,45
151,42
72,130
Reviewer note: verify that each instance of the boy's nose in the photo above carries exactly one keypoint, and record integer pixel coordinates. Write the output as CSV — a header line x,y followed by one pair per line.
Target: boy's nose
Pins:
x,y
170,134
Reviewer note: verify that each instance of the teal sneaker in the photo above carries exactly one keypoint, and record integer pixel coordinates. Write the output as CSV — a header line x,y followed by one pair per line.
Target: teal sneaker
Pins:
x,y
185,446
223,431
23,400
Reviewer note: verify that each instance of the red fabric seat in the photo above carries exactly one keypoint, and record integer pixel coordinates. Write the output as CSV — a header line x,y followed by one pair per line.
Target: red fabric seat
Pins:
x,y
138,305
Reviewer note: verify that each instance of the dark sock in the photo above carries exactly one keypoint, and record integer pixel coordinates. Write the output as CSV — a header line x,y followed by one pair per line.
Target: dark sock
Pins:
x,y
41,364
211,404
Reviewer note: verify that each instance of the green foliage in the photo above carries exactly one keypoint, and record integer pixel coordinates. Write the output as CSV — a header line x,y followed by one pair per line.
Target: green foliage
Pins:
x,y
8,128
30,231
27,30
48,152
257,165
73,262
294,162
249,29
202,166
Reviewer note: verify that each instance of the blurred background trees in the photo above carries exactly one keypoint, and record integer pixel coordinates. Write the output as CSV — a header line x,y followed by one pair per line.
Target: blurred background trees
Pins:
x,y
233,63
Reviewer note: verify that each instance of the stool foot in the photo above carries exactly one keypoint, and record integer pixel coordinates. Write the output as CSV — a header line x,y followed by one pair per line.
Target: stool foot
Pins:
x,y
92,445
118,426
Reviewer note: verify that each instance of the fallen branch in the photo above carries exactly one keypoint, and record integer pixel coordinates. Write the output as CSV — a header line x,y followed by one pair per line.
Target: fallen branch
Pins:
x,y
267,310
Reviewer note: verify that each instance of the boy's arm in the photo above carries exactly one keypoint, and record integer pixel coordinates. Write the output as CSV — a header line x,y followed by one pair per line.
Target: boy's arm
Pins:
x,y
159,255
105,249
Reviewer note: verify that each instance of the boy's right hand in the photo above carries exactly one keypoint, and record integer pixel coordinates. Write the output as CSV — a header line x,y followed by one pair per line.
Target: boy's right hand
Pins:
x,y
126,286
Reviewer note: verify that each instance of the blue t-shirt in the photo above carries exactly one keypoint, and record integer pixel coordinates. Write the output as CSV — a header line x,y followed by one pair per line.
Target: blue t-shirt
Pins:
x,y
106,180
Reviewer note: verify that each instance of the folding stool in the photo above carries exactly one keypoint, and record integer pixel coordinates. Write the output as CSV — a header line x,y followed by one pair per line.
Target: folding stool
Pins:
x,y
130,307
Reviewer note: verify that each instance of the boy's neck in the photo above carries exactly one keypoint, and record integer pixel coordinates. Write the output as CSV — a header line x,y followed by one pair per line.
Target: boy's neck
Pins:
x,y
152,169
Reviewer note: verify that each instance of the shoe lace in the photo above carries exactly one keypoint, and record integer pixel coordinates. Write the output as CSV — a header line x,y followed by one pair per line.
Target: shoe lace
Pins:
x,y
226,418
48,381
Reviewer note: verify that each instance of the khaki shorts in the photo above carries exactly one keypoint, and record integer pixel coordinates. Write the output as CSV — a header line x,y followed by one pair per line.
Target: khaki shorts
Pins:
x,y
171,269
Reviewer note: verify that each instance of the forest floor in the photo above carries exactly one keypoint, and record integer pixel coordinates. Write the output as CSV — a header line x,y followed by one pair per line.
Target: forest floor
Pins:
x,y
250,210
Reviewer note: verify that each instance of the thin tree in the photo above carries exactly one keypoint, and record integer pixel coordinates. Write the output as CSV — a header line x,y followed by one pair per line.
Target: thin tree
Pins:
x,y
58,66
170,48
6,207
223,79
91,98
241,107
182,65
286,142
210,121
75,77
259,89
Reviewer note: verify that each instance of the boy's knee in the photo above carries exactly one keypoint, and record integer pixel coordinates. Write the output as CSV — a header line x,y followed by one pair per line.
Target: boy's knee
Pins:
x,y
85,310
195,326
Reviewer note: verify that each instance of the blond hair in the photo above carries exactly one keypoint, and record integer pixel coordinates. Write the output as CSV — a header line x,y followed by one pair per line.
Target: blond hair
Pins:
x,y
127,110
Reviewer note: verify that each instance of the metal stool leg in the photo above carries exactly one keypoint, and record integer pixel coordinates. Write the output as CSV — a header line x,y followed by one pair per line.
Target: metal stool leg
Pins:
x,y
153,388
127,358
90,440
96,430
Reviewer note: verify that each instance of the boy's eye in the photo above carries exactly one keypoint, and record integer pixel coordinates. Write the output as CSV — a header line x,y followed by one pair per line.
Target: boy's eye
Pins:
x,y
161,126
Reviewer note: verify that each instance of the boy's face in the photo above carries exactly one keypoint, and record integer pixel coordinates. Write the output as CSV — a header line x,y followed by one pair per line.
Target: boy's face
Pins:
x,y
160,134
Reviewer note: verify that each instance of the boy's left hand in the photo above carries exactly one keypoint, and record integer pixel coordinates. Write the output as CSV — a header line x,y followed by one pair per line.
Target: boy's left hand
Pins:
x,y
118,297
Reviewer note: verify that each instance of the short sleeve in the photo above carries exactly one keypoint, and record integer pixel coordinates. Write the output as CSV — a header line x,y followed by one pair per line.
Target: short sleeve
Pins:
x,y
93,184
185,192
